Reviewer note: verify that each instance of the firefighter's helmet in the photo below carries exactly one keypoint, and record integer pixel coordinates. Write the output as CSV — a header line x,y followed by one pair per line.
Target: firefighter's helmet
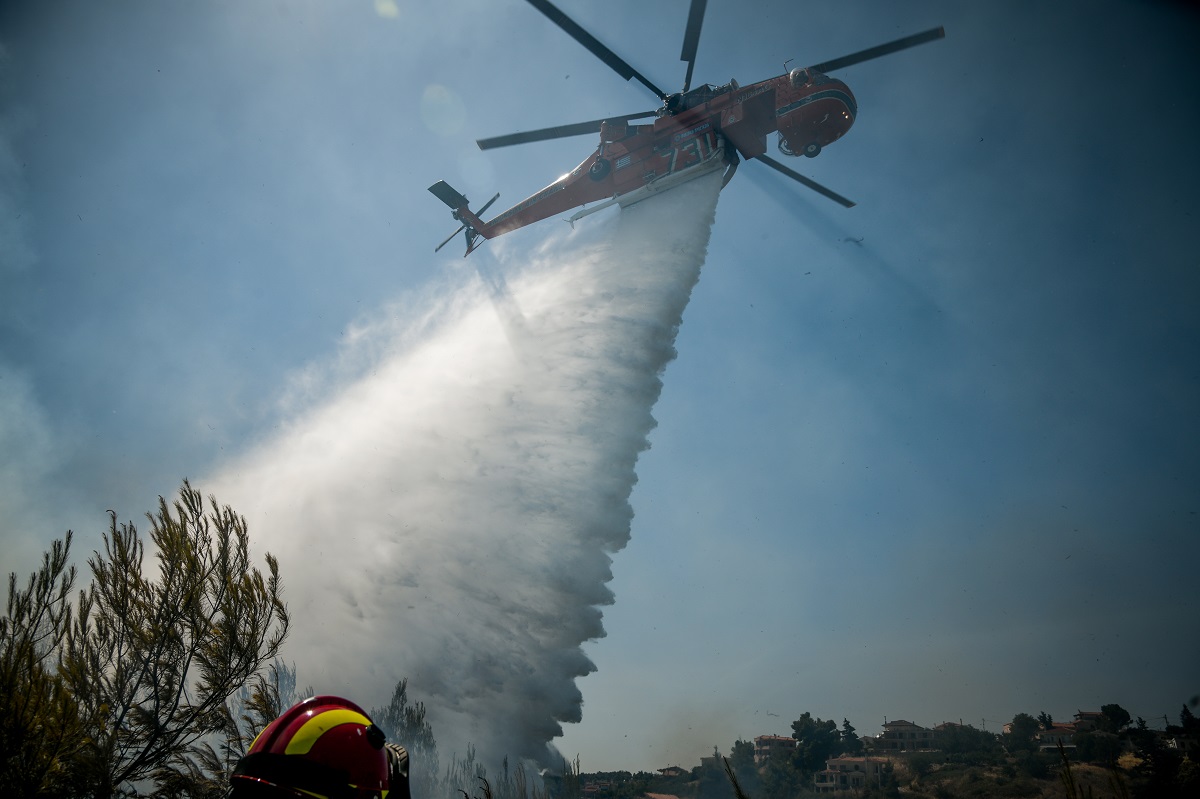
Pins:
x,y
325,747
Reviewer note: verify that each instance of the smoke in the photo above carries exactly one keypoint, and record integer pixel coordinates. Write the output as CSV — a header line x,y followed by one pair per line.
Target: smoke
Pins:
x,y
450,514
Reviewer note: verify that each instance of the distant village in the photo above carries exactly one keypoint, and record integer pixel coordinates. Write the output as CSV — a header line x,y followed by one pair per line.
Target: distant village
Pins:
x,y
912,750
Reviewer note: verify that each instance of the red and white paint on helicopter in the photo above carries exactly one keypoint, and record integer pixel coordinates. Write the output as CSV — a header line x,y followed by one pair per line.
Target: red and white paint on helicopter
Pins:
x,y
694,132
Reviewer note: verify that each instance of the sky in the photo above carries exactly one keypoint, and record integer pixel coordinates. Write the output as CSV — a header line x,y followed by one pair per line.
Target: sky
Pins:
x,y
934,457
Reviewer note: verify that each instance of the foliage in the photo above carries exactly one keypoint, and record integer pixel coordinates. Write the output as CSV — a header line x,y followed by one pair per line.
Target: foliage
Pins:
x,y
1036,765
920,764
465,776
626,785
1116,718
1021,733
40,730
1097,746
730,773
964,743
204,771
851,743
817,740
741,760
137,673
779,776
1075,789
1046,720
710,779
404,722
1163,771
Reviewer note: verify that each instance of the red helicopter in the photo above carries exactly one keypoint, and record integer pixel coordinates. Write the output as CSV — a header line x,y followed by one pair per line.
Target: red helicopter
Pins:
x,y
694,132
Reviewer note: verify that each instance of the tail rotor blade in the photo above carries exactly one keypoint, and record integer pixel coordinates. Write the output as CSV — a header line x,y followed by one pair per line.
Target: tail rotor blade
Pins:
x,y
809,182
487,205
450,238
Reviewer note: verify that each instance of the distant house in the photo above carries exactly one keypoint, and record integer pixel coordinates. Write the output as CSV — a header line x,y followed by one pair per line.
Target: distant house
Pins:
x,y
905,736
1188,743
849,774
595,788
671,771
1048,740
1088,720
767,745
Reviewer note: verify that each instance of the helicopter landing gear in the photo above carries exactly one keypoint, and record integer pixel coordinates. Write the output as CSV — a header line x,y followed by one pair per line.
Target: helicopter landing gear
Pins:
x,y
812,150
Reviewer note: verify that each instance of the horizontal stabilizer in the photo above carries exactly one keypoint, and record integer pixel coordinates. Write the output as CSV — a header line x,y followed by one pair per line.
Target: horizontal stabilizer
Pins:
x,y
447,194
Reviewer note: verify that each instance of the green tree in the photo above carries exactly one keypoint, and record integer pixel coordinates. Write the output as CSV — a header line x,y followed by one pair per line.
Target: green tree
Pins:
x,y
1046,720
1097,746
149,660
204,771
741,760
968,744
711,777
851,743
780,777
1020,737
1188,720
1158,773
404,722
817,740
1116,718
40,729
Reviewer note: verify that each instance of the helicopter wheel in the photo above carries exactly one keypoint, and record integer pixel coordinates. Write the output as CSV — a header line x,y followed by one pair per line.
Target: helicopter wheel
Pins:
x,y
812,150
600,169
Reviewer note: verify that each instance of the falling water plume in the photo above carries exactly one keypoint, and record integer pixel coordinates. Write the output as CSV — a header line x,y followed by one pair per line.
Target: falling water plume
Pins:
x,y
450,514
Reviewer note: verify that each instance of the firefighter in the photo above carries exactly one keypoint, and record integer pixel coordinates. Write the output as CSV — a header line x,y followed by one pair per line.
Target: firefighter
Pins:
x,y
325,747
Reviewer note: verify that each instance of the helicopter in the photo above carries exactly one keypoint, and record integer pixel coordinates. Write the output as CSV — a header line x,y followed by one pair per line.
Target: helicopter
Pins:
x,y
695,131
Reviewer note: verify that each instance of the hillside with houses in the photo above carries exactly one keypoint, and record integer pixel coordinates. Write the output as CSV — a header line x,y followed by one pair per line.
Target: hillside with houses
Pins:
x,y
1098,753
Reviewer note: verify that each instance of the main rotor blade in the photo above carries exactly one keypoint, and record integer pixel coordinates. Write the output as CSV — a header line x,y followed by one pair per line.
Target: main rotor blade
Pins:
x,y
614,61
691,38
557,132
809,182
881,50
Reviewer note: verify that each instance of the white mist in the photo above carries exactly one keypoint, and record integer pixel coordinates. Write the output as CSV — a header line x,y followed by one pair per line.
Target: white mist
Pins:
x,y
449,515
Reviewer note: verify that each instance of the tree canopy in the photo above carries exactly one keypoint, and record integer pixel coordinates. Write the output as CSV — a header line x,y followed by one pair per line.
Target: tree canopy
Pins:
x,y
817,740
134,673
1022,730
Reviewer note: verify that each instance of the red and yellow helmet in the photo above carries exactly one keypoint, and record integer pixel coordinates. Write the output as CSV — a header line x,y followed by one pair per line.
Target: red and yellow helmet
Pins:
x,y
325,747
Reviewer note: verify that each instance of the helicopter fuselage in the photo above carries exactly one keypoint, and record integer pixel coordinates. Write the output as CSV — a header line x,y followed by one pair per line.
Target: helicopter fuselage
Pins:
x,y
694,132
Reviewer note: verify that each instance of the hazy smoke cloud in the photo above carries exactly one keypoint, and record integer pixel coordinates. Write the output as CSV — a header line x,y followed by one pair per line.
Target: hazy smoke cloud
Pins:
x,y
449,517
16,252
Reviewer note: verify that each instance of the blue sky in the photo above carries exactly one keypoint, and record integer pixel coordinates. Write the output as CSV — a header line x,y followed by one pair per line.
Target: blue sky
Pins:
x,y
947,472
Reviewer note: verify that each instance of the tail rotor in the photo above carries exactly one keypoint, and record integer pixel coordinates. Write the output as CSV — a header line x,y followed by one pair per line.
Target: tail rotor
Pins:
x,y
460,209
